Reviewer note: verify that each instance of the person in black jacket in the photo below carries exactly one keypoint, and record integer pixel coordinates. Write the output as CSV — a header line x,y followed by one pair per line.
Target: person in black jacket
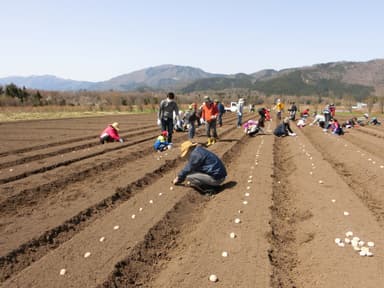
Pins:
x,y
283,129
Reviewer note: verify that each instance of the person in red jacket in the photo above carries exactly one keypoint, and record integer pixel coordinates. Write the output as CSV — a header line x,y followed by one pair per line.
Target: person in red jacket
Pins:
x,y
111,134
209,113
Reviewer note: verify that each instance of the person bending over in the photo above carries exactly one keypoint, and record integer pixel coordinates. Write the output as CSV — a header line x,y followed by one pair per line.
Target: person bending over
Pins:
x,y
204,171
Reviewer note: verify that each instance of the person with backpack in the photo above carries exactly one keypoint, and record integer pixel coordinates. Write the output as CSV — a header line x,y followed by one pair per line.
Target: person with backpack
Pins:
x,y
168,107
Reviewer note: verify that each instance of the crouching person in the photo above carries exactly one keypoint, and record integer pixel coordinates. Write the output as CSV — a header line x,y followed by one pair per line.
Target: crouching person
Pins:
x,y
283,129
161,143
204,171
111,134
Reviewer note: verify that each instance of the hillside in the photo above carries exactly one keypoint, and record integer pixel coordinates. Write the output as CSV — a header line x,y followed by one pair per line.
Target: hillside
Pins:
x,y
359,79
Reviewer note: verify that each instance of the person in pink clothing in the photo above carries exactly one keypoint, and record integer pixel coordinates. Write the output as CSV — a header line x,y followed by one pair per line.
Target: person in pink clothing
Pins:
x,y
111,134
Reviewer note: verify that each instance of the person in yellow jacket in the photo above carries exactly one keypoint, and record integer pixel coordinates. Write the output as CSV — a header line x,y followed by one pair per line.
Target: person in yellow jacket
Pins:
x,y
279,108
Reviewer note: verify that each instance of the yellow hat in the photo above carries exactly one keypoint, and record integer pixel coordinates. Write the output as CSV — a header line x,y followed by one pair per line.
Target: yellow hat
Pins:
x,y
185,146
115,125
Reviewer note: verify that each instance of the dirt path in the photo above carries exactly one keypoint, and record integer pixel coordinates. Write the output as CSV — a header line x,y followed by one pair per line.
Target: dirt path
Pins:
x,y
297,190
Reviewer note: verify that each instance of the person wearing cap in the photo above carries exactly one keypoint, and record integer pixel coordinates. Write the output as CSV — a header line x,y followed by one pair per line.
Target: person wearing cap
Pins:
x,y
190,117
283,129
168,107
221,111
111,134
209,114
204,171
161,143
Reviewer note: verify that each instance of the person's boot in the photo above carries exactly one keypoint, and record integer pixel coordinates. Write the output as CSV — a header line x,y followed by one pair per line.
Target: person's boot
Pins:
x,y
213,140
209,142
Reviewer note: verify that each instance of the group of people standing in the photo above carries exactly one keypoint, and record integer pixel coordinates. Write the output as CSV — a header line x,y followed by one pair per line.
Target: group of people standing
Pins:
x,y
209,113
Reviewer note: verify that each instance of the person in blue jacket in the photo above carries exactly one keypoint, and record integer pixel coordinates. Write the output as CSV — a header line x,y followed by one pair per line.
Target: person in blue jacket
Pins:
x,y
204,171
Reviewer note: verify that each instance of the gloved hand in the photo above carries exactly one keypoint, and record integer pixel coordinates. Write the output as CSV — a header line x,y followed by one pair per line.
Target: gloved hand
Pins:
x,y
121,140
158,122
213,117
176,181
240,114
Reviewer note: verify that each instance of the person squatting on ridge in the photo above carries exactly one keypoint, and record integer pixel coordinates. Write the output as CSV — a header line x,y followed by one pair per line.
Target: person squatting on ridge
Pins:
x,y
209,115
204,171
251,127
161,143
111,134
165,117
240,110
283,129
336,127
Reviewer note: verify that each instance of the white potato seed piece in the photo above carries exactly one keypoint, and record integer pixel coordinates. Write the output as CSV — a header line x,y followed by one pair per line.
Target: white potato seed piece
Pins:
x,y
213,278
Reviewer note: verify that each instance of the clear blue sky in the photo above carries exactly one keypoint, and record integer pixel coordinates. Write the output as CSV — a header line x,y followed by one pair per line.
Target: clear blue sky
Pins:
x,y
96,40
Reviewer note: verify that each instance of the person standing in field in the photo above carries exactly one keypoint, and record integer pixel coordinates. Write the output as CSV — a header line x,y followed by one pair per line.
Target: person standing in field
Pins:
x,y
190,118
240,111
292,111
221,110
168,107
327,117
279,108
209,114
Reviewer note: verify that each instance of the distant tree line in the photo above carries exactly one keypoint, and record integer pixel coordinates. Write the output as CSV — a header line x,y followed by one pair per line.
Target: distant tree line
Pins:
x,y
16,95
291,88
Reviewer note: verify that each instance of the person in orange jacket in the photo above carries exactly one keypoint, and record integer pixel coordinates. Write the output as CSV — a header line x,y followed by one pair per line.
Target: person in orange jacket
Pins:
x,y
209,115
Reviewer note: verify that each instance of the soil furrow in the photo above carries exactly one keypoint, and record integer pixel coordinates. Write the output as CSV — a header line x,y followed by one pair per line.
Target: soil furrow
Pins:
x,y
35,249
282,254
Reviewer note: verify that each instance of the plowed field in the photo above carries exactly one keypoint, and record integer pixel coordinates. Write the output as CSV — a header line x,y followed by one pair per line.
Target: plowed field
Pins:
x,y
109,215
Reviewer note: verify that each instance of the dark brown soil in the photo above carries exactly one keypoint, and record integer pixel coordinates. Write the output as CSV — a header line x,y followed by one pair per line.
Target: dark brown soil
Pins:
x,y
61,191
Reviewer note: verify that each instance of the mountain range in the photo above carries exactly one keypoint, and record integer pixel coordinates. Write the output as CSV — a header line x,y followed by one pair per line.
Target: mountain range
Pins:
x,y
363,75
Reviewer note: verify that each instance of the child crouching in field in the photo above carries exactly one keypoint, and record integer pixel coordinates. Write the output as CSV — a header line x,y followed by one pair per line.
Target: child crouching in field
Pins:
x,y
161,143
